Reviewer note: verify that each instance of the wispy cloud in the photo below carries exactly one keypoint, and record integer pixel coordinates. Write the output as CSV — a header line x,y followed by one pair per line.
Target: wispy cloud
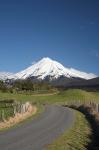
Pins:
x,y
95,53
33,62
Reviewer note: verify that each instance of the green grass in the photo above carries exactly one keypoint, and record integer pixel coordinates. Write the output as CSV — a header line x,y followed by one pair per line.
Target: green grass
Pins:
x,y
60,97
76,138
40,109
6,111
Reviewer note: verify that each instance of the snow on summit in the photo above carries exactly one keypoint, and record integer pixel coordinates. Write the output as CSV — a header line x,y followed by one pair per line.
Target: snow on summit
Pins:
x,y
48,67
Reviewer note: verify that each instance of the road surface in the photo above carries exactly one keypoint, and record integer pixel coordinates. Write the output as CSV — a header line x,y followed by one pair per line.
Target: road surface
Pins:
x,y
36,134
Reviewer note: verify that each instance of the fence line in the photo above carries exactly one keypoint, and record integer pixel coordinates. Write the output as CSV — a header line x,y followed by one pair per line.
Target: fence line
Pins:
x,y
16,108
78,103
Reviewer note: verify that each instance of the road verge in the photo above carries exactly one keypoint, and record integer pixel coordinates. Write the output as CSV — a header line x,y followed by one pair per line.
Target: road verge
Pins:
x,y
76,138
93,118
19,117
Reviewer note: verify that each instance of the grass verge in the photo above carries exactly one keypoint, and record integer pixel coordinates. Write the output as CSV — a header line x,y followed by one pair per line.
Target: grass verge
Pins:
x,y
40,109
77,138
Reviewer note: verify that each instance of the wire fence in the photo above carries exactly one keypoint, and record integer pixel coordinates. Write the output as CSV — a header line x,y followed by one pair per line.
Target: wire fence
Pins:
x,y
10,108
78,103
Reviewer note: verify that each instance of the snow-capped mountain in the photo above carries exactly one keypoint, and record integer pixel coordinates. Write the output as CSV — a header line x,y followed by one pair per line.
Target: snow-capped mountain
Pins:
x,y
47,67
5,75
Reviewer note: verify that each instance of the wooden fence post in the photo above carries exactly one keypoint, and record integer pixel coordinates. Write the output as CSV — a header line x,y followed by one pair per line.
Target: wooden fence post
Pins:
x,y
14,110
2,114
96,107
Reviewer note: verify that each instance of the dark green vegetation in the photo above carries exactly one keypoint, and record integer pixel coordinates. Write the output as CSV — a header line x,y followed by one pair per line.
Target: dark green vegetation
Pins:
x,y
28,85
3,87
25,86
77,83
6,110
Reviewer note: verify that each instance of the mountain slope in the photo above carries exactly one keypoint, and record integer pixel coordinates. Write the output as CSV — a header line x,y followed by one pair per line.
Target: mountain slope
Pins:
x,y
5,75
47,67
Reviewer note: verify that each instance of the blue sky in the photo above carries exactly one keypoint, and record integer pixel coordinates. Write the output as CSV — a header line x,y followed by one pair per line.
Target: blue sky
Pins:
x,y
64,30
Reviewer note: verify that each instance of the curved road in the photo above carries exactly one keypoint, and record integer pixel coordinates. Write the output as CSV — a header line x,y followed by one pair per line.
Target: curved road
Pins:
x,y
36,134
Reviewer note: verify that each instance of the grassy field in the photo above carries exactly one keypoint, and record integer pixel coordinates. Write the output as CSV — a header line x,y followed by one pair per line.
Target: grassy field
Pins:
x,y
60,97
75,139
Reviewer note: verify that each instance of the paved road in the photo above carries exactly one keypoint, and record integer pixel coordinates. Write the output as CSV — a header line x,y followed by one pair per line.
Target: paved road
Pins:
x,y
39,132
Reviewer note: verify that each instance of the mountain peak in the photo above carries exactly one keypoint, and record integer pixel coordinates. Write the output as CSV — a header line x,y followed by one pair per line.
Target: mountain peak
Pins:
x,y
46,59
47,67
